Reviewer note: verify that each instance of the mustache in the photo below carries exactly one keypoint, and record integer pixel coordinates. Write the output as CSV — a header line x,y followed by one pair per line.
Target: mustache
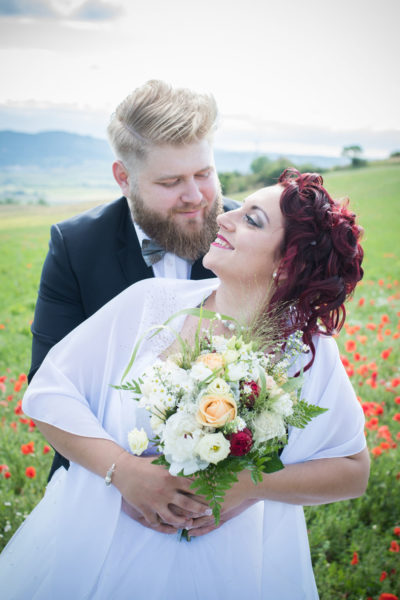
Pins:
x,y
190,207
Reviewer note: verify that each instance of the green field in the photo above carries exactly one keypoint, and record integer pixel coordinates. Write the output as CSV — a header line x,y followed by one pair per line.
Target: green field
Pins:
x,y
355,544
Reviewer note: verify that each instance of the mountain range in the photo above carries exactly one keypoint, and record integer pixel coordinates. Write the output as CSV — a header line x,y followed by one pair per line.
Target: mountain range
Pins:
x,y
61,149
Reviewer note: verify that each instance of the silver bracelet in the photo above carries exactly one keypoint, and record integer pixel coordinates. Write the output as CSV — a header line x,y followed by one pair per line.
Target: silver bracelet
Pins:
x,y
109,474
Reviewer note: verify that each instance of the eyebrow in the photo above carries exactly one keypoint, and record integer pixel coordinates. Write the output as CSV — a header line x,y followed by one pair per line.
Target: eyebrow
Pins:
x,y
166,177
255,207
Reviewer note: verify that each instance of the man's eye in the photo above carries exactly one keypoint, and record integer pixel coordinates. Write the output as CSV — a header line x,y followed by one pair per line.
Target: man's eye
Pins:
x,y
250,221
203,174
170,183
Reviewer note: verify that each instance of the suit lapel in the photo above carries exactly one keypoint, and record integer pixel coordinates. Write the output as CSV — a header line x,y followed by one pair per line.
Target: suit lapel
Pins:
x,y
200,272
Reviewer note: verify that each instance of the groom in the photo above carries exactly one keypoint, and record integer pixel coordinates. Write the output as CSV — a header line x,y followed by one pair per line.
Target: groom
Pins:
x,y
161,226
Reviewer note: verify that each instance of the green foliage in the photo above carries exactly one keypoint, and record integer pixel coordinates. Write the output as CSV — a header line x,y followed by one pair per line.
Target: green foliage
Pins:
x,y
303,413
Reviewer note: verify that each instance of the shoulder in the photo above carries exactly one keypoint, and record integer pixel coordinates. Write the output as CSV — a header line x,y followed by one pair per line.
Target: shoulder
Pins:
x,y
104,217
230,204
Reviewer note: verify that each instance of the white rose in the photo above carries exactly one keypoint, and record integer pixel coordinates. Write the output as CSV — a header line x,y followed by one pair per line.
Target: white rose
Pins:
x,y
268,425
138,441
213,447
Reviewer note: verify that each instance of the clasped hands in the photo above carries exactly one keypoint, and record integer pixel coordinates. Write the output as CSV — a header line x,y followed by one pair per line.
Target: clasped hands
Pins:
x,y
156,499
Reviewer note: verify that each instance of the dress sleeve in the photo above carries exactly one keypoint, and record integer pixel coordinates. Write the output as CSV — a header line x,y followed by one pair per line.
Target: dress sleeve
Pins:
x,y
59,306
339,431
73,390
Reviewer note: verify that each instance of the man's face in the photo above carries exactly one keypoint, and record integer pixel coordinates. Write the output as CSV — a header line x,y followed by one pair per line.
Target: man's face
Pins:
x,y
176,197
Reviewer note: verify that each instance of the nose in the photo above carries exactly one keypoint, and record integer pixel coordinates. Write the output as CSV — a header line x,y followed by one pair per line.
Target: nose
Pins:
x,y
226,220
192,193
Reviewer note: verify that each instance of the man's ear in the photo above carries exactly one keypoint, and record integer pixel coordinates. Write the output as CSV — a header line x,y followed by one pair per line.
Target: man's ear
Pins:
x,y
121,176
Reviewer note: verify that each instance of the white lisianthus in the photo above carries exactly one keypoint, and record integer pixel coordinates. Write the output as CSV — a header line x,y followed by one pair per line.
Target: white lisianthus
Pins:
x,y
230,356
180,436
218,386
213,447
199,371
268,425
283,405
138,441
236,371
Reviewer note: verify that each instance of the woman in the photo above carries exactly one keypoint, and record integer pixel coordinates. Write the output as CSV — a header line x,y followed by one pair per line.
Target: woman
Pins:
x,y
287,243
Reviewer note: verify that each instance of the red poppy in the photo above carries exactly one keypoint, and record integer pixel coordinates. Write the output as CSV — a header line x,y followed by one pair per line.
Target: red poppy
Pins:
x,y
397,399
371,326
3,468
354,560
386,596
28,448
7,475
372,423
377,451
17,386
383,576
350,346
396,531
396,417
30,472
46,449
345,361
386,353
361,302
394,547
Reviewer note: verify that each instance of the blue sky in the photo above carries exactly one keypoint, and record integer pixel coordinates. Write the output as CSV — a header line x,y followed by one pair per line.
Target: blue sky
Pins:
x,y
301,76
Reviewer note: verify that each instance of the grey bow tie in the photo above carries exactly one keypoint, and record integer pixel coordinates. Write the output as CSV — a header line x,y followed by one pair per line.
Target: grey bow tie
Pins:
x,y
151,252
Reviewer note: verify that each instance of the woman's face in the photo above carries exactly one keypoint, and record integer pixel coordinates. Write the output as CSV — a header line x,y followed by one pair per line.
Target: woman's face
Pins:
x,y
249,238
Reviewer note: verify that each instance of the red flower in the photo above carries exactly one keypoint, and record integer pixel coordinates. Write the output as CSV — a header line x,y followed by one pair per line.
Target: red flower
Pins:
x,y
241,442
394,547
3,468
350,346
377,451
46,449
396,531
28,448
7,475
388,597
386,353
383,576
354,560
361,302
250,392
30,472
396,417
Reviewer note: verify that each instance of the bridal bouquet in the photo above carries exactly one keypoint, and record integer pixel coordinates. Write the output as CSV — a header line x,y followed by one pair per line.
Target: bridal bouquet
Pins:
x,y
220,406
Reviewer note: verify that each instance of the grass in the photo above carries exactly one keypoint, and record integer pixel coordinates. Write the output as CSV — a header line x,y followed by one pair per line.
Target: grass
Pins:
x,y
353,543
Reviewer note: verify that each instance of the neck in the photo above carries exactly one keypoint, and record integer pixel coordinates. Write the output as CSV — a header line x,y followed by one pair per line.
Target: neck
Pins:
x,y
243,304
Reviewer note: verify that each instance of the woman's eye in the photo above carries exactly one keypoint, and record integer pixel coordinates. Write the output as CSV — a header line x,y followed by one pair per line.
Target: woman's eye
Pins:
x,y
250,221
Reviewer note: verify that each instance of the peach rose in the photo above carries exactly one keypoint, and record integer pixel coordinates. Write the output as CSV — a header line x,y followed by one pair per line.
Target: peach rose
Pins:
x,y
216,409
212,360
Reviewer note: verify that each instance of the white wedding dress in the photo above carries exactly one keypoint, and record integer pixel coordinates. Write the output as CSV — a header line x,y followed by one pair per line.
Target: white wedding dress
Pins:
x,y
77,543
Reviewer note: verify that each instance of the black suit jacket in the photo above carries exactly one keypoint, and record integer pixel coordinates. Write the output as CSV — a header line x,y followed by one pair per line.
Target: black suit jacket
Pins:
x,y
92,257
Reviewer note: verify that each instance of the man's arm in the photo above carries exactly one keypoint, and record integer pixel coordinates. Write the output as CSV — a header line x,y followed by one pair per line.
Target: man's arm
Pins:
x,y
59,306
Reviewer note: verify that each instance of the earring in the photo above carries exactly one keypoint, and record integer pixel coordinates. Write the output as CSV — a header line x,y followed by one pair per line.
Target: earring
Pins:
x,y
274,275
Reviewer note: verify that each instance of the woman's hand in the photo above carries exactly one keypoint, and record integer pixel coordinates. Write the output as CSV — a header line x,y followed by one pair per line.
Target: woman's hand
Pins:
x,y
164,501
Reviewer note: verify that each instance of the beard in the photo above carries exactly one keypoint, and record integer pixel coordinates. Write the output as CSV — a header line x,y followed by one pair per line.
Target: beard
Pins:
x,y
190,242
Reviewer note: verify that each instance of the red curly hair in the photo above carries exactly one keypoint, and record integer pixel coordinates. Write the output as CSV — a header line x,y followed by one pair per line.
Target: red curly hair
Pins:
x,y
321,256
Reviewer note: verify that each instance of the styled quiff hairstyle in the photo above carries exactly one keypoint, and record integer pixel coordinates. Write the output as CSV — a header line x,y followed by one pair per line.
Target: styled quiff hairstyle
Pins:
x,y
321,256
157,113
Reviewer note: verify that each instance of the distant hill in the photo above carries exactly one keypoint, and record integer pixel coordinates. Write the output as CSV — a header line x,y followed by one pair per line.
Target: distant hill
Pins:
x,y
59,149
50,149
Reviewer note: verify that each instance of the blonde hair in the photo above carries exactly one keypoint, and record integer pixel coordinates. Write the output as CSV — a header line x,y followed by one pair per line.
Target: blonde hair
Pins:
x,y
156,113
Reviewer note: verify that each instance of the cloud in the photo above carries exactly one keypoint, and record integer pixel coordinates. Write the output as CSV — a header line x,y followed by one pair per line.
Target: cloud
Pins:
x,y
90,10
96,10
27,8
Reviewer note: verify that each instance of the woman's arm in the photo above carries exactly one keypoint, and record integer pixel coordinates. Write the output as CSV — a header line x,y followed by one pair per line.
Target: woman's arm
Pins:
x,y
163,501
313,482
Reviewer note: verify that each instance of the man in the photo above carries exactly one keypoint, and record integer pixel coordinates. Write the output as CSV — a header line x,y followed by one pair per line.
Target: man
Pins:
x,y
162,139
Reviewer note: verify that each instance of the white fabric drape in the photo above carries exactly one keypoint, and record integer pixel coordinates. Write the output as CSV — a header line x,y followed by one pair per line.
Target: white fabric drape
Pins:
x,y
78,544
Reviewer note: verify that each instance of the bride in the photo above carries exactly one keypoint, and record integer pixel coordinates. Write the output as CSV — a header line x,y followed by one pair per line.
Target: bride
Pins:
x,y
86,539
